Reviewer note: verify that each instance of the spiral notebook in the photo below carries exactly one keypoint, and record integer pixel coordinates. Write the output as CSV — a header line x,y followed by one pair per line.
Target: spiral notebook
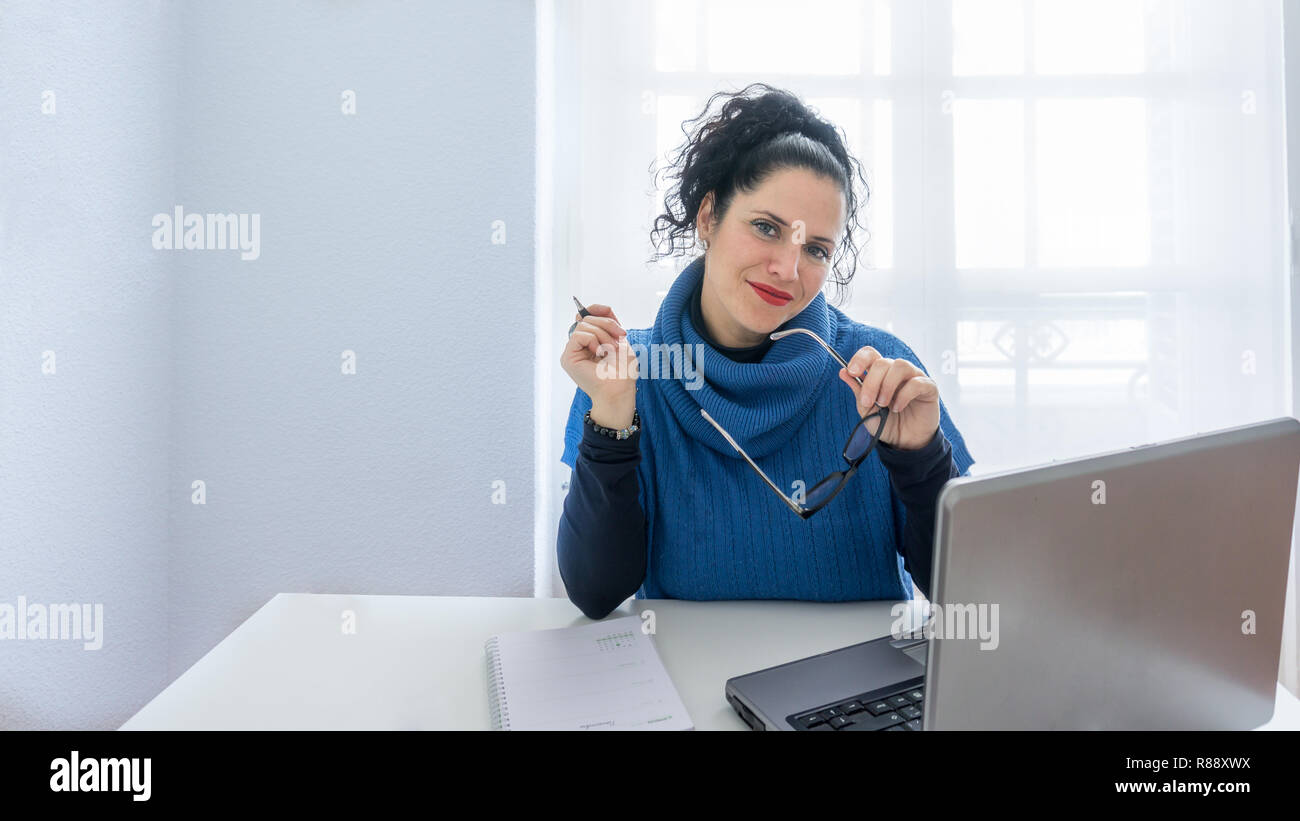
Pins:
x,y
601,676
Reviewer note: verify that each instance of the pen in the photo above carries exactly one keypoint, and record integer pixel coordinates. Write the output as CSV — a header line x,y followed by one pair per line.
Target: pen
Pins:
x,y
581,311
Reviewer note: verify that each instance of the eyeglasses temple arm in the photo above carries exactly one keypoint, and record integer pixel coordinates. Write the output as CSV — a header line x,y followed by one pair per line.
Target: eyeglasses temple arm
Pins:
x,y
790,502
782,334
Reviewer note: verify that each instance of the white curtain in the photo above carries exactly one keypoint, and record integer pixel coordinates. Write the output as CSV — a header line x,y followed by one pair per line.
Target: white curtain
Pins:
x,y
1078,207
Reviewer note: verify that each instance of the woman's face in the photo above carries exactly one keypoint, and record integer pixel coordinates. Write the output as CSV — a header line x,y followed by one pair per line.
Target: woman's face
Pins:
x,y
762,267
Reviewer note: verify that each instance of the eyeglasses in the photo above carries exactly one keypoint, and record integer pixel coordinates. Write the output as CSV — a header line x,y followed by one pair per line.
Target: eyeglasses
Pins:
x,y
861,442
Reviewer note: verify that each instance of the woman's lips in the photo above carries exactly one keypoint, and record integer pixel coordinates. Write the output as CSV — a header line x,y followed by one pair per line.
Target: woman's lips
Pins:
x,y
771,295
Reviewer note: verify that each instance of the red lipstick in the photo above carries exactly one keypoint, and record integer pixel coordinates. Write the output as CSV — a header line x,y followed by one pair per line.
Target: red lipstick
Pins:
x,y
770,295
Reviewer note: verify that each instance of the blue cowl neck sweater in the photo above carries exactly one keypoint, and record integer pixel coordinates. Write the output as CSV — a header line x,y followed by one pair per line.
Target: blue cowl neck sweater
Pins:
x,y
714,528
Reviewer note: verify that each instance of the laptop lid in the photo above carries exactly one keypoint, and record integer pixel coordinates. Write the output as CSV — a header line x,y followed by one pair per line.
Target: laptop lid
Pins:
x,y
1136,589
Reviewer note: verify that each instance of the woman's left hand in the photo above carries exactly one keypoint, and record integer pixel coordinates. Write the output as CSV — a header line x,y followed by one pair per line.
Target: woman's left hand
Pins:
x,y
912,397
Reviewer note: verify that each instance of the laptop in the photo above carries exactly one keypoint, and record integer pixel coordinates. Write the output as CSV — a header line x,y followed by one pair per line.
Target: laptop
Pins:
x,y
1136,589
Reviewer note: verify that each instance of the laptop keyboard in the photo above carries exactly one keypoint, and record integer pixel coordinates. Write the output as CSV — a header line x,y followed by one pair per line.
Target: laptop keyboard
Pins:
x,y
897,709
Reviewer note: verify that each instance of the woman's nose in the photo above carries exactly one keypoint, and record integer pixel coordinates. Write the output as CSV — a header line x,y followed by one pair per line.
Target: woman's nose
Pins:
x,y
786,264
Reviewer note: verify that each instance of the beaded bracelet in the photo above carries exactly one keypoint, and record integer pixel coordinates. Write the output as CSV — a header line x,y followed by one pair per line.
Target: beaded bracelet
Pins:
x,y
614,433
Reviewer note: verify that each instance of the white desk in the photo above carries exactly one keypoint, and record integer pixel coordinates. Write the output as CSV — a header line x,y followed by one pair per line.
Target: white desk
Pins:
x,y
417,663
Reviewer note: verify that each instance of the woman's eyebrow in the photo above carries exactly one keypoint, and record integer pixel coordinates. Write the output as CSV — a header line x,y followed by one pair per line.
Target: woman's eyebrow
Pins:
x,y
785,224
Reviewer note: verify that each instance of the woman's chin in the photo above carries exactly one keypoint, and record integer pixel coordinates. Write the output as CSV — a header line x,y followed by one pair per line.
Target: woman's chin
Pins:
x,y
764,329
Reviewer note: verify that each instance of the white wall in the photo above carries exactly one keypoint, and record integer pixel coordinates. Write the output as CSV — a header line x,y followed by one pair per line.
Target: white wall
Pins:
x,y
376,234
83,451
376,237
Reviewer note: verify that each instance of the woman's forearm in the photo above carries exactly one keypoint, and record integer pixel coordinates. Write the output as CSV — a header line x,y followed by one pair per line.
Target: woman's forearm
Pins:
x,y
601,546
917,477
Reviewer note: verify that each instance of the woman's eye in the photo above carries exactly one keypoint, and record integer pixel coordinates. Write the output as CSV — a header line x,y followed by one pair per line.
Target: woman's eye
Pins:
x,y
820,252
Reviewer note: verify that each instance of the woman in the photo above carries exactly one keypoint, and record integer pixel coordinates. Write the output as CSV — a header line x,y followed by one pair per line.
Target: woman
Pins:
x,y
661,504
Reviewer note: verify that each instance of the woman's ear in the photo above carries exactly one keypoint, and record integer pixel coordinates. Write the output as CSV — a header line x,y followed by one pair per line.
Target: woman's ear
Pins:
x,y
704,226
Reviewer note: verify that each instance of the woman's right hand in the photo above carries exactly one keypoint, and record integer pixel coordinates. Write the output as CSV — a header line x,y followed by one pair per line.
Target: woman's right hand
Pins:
x,y
599,359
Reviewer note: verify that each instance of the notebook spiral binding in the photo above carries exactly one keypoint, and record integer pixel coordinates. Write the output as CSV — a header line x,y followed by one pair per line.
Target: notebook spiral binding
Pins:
x,y
497,707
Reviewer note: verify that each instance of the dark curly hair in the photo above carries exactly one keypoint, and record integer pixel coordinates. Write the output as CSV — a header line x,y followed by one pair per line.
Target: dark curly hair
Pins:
x,y
758,131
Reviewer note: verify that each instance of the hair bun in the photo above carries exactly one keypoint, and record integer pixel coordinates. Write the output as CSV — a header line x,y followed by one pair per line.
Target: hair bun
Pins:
x,y
766,118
